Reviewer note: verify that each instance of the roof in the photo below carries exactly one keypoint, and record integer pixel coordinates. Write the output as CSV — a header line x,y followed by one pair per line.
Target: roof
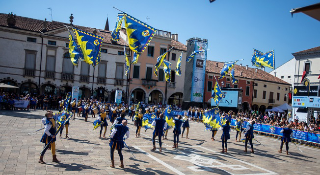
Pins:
x,y
311,10
250,73
178,46
312,50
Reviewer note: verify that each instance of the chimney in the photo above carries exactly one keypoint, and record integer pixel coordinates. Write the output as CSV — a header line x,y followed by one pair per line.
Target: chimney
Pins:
x,y
240,64
263,68
241,73
174,37
256,69
217,64
11,19
106,27
275,74
246,67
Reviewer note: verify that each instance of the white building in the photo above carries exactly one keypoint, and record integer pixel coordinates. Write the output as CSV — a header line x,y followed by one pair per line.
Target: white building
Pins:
x,y
34,56
286,71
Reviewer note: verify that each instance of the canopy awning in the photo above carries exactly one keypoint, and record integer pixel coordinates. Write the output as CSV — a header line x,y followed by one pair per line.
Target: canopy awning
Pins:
x,y
312,10
3,85
285,106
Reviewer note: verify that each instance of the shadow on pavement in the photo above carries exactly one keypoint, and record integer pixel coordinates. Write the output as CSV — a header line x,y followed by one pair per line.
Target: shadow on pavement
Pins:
x,y
74,167
72,152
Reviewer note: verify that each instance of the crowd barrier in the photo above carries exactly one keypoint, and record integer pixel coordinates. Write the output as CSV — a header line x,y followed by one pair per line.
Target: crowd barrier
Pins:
x,y
267,129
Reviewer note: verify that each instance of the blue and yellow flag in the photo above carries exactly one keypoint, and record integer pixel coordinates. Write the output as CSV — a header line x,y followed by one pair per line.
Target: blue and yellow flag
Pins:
x,y
193,54
226,68
178,67
90,45
212,119
168,115
160,61
260,59
67,101
167,70
74,52
115,33
147,120
96,124
127,65
233,79
217,94
139,35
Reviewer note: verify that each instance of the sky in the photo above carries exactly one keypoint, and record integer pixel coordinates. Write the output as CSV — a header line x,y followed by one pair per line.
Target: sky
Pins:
x,y
233,27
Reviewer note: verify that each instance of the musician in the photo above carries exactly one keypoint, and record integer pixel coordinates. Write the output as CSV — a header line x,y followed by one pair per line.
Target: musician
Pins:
x,y
49,134
103,118
287,132
116,141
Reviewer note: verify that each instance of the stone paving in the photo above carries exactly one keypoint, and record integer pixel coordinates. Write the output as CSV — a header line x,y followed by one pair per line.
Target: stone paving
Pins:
x,y
85,153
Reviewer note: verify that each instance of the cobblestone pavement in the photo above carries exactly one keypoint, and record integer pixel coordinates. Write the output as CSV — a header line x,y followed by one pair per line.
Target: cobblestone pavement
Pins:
x,y
85,153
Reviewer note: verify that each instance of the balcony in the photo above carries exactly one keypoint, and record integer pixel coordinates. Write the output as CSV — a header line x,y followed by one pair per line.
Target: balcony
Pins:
x,y
118,82
271,101
172,84
67,76
84,78
101,80
29,72
50,74
149,82
163,33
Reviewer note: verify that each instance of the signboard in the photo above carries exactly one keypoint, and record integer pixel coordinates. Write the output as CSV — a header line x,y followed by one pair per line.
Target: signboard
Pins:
x,y
75,93
21,103
303,91
230,99
199,68
118,96
306,102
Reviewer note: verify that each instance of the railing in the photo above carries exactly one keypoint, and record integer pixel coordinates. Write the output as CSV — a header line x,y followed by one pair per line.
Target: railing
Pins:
x,y
118,82
84,78
163,34
50,74
150,82
67,76
101,80
29,72
271,100
172,84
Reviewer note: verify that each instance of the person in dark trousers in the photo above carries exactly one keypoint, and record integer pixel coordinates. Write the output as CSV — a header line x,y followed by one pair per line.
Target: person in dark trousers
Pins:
x,y
225,136
249,136
103,118
185,125
116,141
177,131
239,129
159,124
286,138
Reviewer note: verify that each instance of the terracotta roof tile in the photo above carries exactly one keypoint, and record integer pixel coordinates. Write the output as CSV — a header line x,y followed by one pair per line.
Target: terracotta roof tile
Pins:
x,y
250,73
178,46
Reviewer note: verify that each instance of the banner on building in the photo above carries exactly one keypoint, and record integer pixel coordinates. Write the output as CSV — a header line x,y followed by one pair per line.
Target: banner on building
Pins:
x,y
21,103
118,96
306,102
75,93
199,68
303,91
230,99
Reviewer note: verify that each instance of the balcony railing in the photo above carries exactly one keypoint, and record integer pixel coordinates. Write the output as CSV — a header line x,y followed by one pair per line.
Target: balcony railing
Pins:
x,y
84,78
149,82
172,84
29,72
271,100
101,80
67,76
50,74
118,82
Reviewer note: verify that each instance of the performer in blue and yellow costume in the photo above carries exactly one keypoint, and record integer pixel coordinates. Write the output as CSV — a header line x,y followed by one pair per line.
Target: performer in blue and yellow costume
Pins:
x,y
49,133
177,131
116,141
159,124
185,125
286,138
138,122
225,136
239,129
249,136
104,124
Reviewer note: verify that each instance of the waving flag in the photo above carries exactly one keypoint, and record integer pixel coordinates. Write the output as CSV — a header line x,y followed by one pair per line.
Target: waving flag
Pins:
x,y
127,65
259,59
147,120
90,45
96,124
160,61
233,79
226,68
217,94
169,117
115,33
178,67
193,54
167,70
67,101
212,119
74,51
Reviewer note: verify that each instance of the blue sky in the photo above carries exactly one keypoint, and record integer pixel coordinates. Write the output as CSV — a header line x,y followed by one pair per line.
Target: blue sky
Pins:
x,y
233,27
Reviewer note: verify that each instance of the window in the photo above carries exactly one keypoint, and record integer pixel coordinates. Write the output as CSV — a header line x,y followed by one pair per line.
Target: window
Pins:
x,y
84,68
67,44
50,63
289,76
162,50
247,90
102,70
161,75
173,58
255,93
173,76
307,67
235,86
285,97
282,77
209,88
278,96
53,43
286,89
279,88
120,52
264,95
210,77
31,60
29,39
149,73
248,82
228,85
104,50
265,85
271,95
119,71
228,79
67,66
150,51
136,71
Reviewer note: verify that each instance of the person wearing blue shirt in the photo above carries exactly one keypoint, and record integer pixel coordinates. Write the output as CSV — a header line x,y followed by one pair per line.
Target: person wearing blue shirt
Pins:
x,y
225,136
239,129
185,124
160,125
177,131
287,132
249,136
116,141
